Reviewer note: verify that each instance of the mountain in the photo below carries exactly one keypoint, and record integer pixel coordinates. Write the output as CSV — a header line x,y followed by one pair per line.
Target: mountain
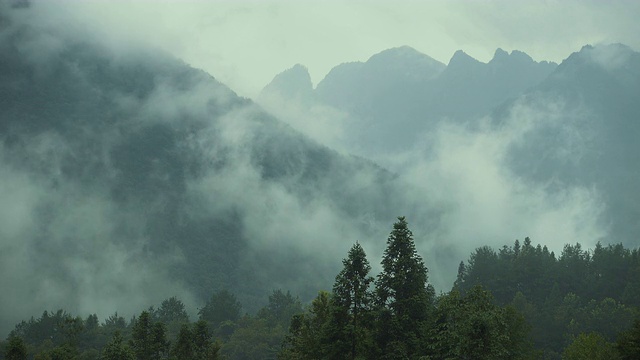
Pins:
x,y
564,131
582,130
128,176
358,87
469,89
398,95
293,84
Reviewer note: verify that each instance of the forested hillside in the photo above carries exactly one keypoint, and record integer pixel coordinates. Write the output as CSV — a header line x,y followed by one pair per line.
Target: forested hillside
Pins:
x,y
577,292
128,176
149,212
394,315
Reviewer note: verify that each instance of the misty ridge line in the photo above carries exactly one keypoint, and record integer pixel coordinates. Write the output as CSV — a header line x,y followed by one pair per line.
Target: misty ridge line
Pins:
x,y
145,178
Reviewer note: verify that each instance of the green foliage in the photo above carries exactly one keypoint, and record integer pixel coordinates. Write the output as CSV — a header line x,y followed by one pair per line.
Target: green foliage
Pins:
x,y
254,339
473,327
403,301
222,306
400,319
591,346
351,307
16,349
184,347
172,310
280,309
628,343
309,333
580,292
62,352
116,349
148,339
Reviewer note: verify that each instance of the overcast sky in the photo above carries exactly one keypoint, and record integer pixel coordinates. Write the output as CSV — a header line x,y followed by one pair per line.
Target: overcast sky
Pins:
x,y
246,43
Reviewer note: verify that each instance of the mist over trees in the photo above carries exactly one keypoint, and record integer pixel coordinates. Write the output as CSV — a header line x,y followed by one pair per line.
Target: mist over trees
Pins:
x,y
394,316
130,178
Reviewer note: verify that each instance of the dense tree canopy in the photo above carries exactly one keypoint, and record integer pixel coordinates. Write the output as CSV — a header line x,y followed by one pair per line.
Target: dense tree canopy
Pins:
x,y
402,296
520,302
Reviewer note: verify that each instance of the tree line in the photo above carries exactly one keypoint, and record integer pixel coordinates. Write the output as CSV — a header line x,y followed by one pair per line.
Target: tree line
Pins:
x,y
562,297
520,302
397,315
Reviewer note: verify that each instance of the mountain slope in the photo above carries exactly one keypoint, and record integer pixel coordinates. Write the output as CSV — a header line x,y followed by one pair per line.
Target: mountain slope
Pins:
x,y
398,95
584,131
128,177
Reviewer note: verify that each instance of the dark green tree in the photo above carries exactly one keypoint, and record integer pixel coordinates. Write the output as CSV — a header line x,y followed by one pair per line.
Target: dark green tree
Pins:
x,y
352,301
591,346
402,297
223,306
148,339
308,336
184,347
62,352
159,342
141,337
16,349
280,309
117,350
201,339
172,310
472,327
462,273
628,343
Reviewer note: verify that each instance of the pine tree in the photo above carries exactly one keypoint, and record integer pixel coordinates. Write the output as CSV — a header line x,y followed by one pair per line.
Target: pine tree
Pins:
x,y
462,273
116,350
172,309
223,306
352,302
148,340
201,339
184,346
16,349
141,337
402,296
309,333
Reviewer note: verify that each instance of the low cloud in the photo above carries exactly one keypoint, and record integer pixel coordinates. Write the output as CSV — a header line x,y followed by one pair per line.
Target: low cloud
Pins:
x,y
90,246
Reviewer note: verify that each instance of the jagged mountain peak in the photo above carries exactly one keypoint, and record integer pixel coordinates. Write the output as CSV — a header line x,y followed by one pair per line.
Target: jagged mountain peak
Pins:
x,y
406,62
404,54
608,55
293,82
461,58
501,56
596,63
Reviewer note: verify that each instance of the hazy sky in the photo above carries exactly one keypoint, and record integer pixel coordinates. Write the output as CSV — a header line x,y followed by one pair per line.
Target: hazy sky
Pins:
x,y
246,43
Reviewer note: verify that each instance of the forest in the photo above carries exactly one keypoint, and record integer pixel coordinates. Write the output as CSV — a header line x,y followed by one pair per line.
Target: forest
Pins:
x,y
519,302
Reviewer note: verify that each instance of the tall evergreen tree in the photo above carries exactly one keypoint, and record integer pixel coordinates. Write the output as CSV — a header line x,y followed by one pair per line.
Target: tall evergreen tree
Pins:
x,y
148,339
402,296
309,333
116,350
352,302
223,306
184,345
16,349
172,309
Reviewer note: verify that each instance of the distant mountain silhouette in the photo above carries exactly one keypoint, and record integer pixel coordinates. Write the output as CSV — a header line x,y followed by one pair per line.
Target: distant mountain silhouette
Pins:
x,y
579,119
182,173
399,94
588,134
293,84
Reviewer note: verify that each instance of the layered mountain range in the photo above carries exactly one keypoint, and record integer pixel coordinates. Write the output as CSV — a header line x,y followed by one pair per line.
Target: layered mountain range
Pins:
x,y
399,94
127,176
563,125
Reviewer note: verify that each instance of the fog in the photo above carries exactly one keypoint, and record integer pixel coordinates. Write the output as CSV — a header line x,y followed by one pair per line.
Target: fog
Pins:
x,y
112,205
245,43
